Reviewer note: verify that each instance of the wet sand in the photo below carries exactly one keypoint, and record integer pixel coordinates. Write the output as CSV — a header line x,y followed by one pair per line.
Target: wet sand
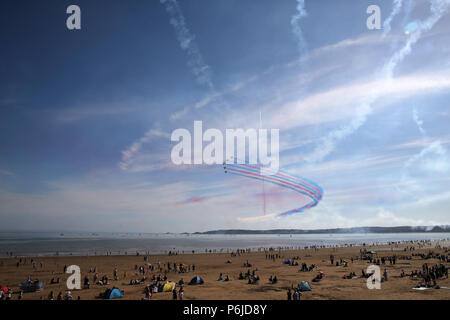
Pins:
x,y
209,266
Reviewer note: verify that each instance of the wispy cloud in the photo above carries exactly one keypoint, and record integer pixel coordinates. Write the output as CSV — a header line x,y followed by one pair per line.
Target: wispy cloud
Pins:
x,y
6,173
75,114
328,143
341,103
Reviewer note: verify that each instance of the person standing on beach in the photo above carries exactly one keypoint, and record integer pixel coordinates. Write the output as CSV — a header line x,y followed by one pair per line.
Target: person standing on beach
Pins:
x,y
289,295
174,294
181,294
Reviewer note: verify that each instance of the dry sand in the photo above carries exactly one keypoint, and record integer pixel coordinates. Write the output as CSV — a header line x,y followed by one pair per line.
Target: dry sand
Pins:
x,y
208,266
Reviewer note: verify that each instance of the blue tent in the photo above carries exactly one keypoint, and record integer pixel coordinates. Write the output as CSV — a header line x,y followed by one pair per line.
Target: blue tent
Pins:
x,y
196,280
31,286
304,286
287,261
115,293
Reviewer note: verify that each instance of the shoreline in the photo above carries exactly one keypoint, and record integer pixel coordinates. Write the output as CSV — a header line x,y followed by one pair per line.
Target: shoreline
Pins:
x,y
223,249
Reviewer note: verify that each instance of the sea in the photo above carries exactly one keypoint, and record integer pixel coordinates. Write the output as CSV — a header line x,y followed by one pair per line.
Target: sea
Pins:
x,y
81,244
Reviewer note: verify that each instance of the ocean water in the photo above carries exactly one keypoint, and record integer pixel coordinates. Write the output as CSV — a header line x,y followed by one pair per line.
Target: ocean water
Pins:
x,y
50,244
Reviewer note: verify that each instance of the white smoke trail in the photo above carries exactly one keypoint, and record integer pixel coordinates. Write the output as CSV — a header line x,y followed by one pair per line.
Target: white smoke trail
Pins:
x,y
296,29
418,122
186,39
438,9
438,164
397,5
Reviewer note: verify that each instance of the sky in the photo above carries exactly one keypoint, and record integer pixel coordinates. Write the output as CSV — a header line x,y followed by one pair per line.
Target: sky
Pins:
x,y
86,116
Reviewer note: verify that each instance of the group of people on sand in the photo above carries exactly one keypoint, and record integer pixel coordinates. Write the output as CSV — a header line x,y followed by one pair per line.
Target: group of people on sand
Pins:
x,y
251,276
293,295
221,278
305,267
429,274
273,279
5,293
164,267
157,286
247,264
66,296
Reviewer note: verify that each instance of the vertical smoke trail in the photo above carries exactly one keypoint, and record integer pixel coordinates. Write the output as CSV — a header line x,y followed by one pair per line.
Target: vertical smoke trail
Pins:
x,y
418,122
397,5
186,39
296,29
438,9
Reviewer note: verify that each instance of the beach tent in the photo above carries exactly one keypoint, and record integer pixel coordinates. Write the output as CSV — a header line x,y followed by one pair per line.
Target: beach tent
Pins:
x,y
304,286
287,261
115,293
169,287
196,280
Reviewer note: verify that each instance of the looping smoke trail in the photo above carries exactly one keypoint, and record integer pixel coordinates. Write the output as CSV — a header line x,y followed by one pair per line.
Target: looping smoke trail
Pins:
x,y
301,185
438,9
296,29
186,39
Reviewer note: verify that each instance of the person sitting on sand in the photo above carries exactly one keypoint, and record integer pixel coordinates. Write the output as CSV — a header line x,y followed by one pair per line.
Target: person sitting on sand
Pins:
x,y
227,278
318,277
220,277
241,276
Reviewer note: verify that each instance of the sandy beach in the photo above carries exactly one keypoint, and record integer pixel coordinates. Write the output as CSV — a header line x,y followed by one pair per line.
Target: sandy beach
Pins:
x,y
209,266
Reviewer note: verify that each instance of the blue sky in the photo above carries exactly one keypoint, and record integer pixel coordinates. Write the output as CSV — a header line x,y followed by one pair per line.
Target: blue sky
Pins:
x,y
86,116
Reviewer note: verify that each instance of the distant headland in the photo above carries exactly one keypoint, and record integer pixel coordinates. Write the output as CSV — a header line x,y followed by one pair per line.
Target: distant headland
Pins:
x,y
401,229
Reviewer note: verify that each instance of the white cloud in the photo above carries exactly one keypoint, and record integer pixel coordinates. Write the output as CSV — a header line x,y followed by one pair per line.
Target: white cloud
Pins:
x,y
343,102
